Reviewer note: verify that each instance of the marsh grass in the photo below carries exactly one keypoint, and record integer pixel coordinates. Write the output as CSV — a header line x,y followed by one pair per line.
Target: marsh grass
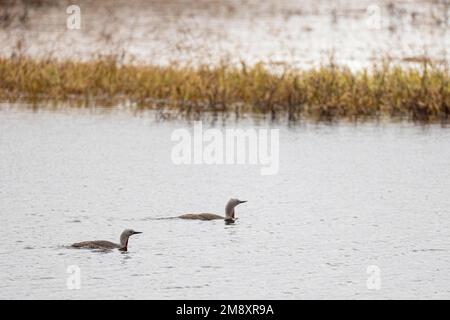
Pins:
x,y
327,93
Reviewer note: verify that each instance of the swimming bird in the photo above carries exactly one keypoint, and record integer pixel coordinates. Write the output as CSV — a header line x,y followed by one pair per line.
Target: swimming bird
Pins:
x,y
229,213
107,245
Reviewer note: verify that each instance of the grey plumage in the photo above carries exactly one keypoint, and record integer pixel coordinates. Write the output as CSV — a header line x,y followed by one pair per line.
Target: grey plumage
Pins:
x,y
201,216
229,213
108,245
97,244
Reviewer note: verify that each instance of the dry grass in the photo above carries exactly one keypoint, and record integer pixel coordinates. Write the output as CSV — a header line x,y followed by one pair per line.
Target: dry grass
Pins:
x,y
327,93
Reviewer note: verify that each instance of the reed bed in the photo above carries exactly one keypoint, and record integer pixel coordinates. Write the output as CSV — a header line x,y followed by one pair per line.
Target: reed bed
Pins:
x,y
329,92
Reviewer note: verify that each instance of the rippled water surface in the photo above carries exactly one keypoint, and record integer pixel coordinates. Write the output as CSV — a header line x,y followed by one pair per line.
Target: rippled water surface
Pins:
x,y
346,197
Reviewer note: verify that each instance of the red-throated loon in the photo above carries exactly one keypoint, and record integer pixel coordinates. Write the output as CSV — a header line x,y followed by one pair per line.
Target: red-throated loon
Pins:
x,y
229,213
107,245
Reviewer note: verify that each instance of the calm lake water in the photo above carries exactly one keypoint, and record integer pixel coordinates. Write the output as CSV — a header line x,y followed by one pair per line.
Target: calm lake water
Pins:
x,y
346,197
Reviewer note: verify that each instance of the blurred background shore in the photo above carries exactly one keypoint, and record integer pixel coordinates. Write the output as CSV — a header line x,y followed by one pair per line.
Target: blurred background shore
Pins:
x,y
299,33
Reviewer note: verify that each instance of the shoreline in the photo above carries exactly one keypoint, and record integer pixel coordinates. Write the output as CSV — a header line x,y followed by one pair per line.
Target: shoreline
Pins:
x,y
330,92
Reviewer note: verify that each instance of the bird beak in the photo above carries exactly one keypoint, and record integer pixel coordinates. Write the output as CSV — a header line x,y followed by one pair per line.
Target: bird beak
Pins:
x,y
242,201
137,232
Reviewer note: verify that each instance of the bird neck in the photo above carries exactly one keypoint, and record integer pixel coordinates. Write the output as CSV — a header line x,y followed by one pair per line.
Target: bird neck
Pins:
x,y
124,246
124,241
229,212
